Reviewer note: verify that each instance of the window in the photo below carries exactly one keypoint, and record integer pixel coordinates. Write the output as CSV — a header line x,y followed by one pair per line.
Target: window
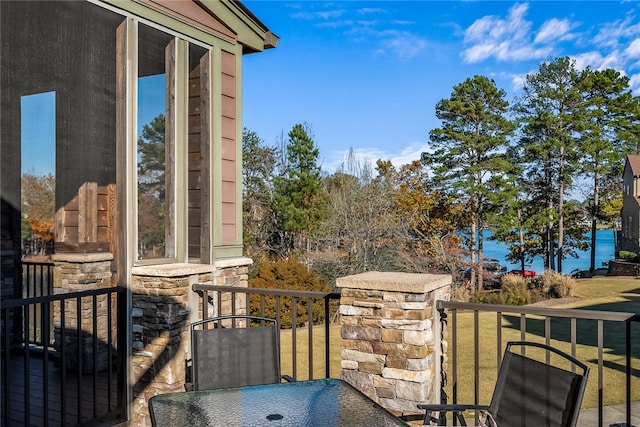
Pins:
x,y
38,161
156,230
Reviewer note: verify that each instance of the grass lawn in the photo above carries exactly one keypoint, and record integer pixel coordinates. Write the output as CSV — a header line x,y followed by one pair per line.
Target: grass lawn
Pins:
x,y
606,293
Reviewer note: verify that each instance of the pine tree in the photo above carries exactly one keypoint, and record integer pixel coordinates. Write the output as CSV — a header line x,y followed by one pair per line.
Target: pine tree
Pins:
x,y
468,157
550,112
609,105
299,202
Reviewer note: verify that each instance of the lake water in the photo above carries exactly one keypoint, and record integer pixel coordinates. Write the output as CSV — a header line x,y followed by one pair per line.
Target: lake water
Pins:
x,y
605,249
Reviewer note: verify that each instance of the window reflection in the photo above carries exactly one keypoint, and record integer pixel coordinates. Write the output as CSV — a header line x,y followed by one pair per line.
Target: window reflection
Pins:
x,y
153,210
38,162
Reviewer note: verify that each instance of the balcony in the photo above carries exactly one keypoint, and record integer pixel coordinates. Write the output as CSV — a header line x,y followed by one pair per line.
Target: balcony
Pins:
x,y
470,338
476,335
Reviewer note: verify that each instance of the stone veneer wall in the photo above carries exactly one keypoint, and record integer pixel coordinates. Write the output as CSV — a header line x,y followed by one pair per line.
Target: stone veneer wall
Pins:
x,y
163,306
623,268
73,272
391,337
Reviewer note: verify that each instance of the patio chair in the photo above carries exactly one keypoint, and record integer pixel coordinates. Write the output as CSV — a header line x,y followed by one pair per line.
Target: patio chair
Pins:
x,y
226,354
528,392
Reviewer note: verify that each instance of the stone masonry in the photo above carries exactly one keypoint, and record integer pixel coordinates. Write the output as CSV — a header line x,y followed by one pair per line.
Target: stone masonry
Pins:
x,y
75,273
390,329
163,306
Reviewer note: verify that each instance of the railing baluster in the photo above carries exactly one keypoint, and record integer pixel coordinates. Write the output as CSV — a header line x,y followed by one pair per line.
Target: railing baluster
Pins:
x,y
94,310
454,348
628,370
310,322
79,356
476,361
499,339
44,327
27,371
600,380
63,363
327,334
294,341
110,302
547,337
573,342
6,363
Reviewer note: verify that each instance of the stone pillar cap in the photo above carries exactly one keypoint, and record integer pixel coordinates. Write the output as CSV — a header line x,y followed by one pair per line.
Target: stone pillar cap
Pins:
x,y
395,282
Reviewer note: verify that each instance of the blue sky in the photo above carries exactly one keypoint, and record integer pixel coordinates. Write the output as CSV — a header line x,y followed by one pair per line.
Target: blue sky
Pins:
x,y
367,75
38,133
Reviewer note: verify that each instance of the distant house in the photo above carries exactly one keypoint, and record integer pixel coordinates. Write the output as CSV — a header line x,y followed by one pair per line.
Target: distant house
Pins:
x,y
629,235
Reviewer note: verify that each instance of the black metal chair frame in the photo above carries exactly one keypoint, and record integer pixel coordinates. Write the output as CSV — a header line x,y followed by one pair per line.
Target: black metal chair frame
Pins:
x,y
574,394
201,326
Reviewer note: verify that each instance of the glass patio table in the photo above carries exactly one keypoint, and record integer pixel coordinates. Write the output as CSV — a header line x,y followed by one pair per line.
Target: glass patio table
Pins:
x,y
326,402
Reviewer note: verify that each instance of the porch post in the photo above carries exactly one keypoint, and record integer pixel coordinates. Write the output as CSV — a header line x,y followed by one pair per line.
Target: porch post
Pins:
x,y
76,272
392,338
163,306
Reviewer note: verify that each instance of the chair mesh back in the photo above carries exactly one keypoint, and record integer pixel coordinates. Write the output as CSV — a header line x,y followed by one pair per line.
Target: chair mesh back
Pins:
x,y
235,357
531,393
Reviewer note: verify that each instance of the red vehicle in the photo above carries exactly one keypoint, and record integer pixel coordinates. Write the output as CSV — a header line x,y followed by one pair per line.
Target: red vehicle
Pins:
x,y
527,273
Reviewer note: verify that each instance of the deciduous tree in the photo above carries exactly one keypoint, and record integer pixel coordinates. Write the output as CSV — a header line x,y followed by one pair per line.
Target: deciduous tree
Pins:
x,y
258,161
38,210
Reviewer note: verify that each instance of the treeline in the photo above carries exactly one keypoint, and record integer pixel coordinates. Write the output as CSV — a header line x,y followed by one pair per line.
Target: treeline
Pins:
x,y
490,165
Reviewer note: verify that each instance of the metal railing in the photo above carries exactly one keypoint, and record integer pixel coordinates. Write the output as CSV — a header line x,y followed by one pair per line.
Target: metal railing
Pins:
x,y
78,379
291,308
566,327
37,279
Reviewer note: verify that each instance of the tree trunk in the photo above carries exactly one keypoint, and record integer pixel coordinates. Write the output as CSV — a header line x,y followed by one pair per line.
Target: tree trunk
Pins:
x,y
596,204
472,254
521,235
561,212
480,258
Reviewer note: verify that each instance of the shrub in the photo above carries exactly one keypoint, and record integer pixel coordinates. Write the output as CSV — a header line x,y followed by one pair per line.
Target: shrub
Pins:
x,y
289,274
556,285
516,291
461,292
628,256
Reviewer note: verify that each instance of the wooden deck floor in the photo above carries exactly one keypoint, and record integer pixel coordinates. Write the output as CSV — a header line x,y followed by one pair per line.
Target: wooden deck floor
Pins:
x,y
67,394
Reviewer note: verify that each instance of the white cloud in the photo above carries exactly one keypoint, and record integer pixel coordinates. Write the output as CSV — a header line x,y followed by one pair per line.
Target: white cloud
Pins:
x,y
634,83
407,155
633,50
402,44
611,33
370,10
509,39
588,59
553,30
596,61
319,14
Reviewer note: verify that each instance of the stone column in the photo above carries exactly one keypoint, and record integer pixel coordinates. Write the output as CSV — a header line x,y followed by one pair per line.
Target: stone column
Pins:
x,y
163,306
391,337
160,322
81,272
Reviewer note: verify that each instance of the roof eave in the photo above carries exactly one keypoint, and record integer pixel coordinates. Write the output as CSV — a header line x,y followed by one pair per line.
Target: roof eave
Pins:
x,y
253,35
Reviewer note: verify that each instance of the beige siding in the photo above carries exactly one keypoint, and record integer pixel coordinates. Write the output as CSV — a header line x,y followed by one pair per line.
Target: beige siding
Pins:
x,y
229,145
